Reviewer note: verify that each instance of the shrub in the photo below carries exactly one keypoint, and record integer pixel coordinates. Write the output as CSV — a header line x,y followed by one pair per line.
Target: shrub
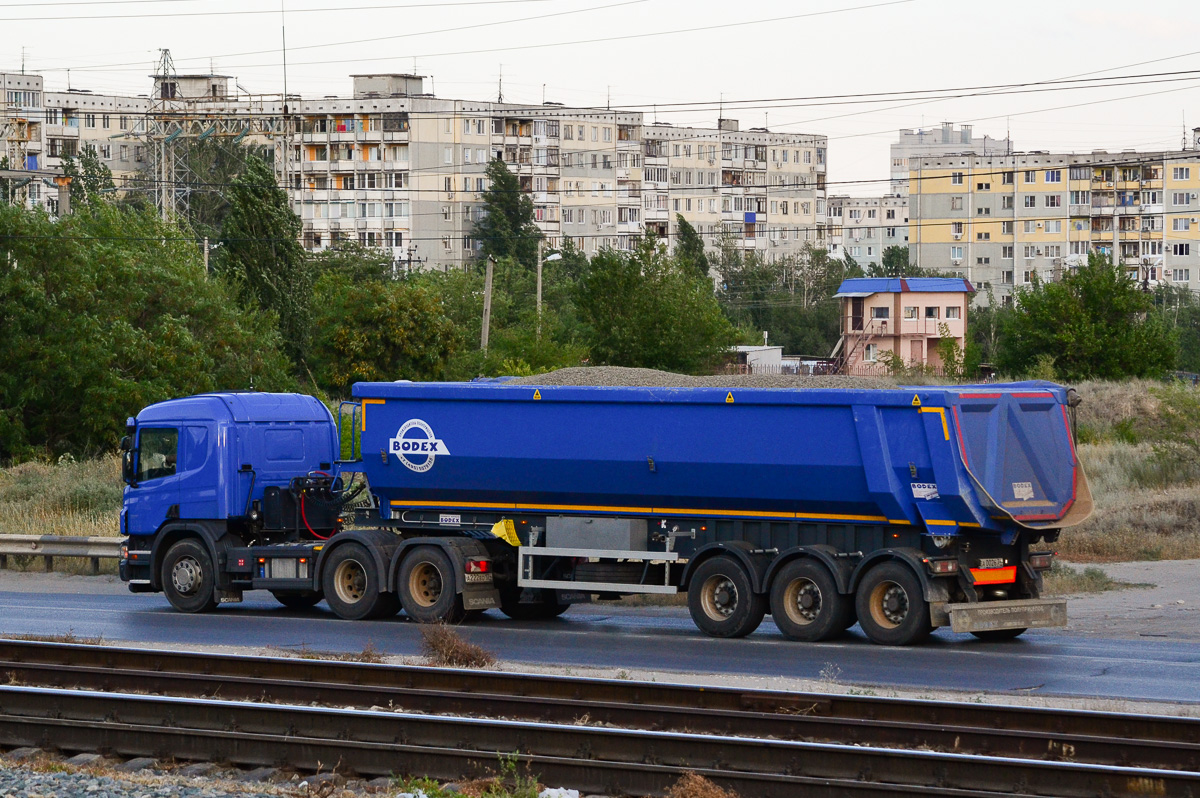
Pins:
x,y
445,648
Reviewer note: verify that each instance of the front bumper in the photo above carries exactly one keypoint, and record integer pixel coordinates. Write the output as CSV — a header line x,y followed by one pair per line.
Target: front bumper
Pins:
x,y
987,616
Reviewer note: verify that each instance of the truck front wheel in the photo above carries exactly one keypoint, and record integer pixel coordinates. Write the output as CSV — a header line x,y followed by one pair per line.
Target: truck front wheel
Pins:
x,y
427,587
351,585
188,577
805,602
891,608
722,601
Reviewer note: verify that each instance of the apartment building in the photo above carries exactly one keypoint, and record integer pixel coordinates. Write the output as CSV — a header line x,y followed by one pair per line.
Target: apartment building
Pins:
x,y
863,227
941,140
393,166
764,191
1001,220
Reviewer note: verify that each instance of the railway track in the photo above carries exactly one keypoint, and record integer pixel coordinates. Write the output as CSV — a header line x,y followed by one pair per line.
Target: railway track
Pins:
x,y
375,720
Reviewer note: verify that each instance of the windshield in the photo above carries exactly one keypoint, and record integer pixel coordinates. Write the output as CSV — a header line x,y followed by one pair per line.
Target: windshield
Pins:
x,y
157,451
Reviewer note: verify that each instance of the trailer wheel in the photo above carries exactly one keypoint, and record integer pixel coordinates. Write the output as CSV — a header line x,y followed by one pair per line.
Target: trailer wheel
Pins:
x,y
722,601
1000,634
427,589
805,602
188,577
351,584
297,601
891,609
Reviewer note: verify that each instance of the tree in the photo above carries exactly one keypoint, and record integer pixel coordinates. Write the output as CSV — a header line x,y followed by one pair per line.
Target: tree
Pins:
x,y
689,248
261,253
894,263
1095,323
89,177
507,229
645,309
105,311
377,329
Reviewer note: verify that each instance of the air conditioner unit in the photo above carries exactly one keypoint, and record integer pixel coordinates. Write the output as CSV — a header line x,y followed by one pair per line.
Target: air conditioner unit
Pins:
x,y
1108,184
1039,224
956,263
957,236
1193,196
712,162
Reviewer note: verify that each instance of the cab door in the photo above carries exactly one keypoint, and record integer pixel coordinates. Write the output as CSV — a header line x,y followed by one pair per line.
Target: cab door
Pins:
x,y
153,495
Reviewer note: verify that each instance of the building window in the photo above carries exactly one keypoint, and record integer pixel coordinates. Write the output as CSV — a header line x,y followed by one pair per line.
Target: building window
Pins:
x,y
956,253
1006,277
983,211
956,203
1030,200
1179,198
954,312
1054,200
1181,275
1053,175
1006,179
881,313
983,186
933,312
910,311
1181,173
1181,224
1054,226
1030,254
1006,252
1006,228
982,261
983,236
956,178
1030,177
1181,249
1006,203
1030,226
870,352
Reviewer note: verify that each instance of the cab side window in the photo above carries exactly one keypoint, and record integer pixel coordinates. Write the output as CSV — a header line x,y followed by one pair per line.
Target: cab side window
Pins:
x,y
158,451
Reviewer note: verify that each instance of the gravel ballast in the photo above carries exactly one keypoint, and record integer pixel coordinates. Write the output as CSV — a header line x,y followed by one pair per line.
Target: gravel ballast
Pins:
x,y
619,377
17,781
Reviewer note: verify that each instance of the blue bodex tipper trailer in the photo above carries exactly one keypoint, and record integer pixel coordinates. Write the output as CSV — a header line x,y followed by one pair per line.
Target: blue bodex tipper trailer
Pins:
x,y
900,509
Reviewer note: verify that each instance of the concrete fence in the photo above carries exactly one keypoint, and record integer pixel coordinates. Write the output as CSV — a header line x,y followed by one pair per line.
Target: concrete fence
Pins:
x,y
50,546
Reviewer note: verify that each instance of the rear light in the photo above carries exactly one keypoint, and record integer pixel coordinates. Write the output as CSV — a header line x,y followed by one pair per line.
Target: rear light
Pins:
x,y
477,566
942,566
124,552
1041,560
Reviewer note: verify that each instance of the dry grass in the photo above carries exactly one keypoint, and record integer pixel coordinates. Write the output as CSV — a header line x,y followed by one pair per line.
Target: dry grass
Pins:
x,y
1063,580
369,654
67,637
692,785
1116,409
445,648
67,498
1134,519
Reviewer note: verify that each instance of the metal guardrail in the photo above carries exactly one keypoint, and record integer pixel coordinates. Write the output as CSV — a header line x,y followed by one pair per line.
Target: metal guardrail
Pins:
x,y
50,546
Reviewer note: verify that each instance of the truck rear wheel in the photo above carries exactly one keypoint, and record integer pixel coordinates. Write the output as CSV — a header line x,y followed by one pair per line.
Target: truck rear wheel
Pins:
x,y
351,584
427,588
805,602
891,608
722,601
188,577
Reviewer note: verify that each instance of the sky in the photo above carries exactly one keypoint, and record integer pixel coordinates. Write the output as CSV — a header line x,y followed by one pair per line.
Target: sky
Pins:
x,y
855,71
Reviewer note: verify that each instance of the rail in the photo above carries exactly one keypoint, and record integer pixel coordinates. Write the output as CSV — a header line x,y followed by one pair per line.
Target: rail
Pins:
x,y
598,735
48,547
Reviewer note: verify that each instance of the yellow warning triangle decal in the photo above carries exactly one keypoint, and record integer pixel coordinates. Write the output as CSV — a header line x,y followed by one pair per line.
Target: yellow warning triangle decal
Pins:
x,y
916,400
729,398
537,394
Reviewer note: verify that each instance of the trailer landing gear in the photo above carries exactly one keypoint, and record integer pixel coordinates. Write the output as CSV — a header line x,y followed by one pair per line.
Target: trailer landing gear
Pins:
x,y
722,601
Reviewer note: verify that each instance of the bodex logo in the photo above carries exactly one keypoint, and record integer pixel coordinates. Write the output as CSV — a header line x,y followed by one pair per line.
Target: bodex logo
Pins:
x,y
417,452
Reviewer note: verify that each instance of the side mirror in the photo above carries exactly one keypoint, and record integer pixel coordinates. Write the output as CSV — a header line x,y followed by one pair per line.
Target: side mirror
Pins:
x,y
126,443
128,467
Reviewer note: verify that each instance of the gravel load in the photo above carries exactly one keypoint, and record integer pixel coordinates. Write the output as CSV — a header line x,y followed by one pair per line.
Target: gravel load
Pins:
x,y
618,377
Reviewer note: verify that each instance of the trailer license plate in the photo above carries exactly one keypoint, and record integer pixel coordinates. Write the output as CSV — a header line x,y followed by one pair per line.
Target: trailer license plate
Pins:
x,y
991,562
450,520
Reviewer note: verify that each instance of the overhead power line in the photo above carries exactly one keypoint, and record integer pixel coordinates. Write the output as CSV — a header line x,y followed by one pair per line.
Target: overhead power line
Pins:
x,y
252,12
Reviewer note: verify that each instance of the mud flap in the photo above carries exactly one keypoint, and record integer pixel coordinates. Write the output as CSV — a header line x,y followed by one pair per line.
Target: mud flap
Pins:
x,y
986,616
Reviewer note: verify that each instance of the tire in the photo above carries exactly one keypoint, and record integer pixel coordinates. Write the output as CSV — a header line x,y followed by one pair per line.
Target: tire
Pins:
x,y
805,602
546,607
297,601
351,584
427,588
1000,634
722,601
188,577
891,609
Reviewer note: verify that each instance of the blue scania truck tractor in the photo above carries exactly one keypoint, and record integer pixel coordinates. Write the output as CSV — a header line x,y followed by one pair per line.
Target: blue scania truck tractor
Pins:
x,y
899,509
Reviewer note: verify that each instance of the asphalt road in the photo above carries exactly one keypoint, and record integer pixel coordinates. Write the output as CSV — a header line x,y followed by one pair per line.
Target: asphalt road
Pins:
x,y
652,638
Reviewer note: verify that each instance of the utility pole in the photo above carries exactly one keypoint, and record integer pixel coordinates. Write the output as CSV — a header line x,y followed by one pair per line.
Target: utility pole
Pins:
x,y
487,304
206,249
539,292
